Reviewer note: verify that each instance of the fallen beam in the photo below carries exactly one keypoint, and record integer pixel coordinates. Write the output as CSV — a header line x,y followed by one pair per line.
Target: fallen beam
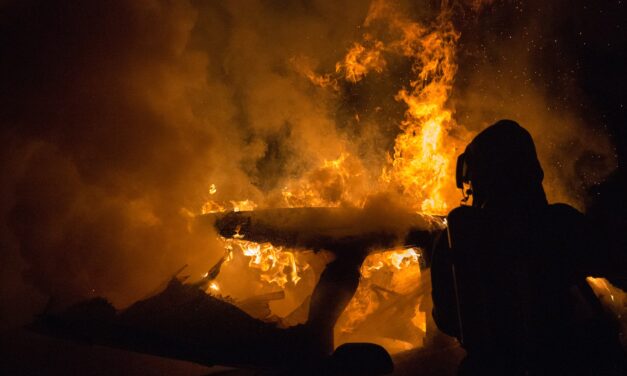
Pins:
x,y
332,229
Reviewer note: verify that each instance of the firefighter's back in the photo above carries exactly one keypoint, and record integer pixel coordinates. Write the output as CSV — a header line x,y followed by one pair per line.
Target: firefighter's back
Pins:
x,y
523,304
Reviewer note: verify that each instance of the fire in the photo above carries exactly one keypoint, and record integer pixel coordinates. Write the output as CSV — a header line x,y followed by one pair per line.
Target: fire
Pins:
x,y
421,166
213,206
214,286
360,60
390,288
243,205
424,152
395,259
275,265
336,182
421,169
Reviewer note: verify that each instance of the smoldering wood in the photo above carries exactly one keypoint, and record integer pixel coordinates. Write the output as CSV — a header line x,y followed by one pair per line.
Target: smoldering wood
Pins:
x,y
338,230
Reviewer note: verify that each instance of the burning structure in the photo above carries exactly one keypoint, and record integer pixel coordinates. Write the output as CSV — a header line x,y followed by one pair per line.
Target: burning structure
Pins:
x,y
165,121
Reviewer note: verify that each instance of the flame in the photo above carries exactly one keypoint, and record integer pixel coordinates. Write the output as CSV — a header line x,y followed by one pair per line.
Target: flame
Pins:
x,y
214,286
360,60
275,265
213,206
334,183
243,205
420,167
392,259
424,153
386,276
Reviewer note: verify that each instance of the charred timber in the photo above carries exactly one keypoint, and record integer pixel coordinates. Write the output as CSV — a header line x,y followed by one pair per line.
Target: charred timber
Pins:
x,y
333,229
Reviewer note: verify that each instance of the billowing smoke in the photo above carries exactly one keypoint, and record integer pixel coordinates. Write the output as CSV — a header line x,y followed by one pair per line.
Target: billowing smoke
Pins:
x,y
117,117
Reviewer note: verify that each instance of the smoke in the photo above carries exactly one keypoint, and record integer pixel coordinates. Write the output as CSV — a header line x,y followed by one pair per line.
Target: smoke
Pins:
x,y
519,60
98,109
118,116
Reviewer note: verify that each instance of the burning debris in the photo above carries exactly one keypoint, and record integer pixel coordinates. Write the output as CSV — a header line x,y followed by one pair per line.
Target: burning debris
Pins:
x,y
329,228
196,322
419,169
392,284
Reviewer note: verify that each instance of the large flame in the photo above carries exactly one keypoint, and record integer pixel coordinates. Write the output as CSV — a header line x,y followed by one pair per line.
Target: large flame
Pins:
x,y
420,168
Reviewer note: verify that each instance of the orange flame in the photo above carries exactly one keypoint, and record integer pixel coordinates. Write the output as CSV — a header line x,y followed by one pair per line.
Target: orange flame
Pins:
x,y
421,166
335,183
360,60
387,277
424,152
275,265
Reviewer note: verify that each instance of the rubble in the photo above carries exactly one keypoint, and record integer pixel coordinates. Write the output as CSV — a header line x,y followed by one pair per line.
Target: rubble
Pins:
x,y
181,322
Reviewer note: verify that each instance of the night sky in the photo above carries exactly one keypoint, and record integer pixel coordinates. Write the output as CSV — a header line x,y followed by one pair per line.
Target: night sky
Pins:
x,y
578,54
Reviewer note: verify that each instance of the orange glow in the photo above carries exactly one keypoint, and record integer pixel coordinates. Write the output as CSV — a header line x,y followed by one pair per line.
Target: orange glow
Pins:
x,y
334,183
360,60
424,153
420,168
390,288
365,302
275,265
212,206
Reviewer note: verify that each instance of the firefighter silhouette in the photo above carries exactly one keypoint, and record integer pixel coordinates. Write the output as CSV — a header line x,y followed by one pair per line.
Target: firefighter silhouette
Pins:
x,y
510,282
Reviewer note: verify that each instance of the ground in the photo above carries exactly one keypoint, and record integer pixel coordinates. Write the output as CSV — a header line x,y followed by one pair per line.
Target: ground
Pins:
x,y
26,353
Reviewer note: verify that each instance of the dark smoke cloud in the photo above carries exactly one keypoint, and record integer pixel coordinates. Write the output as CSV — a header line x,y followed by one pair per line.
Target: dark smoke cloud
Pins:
x,y
101,145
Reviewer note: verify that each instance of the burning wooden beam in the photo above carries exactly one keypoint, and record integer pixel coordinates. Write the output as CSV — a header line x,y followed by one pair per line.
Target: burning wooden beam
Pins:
x,y
334,229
